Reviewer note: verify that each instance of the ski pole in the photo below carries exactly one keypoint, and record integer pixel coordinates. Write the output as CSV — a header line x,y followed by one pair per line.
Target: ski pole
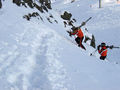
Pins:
x,y
93,52
116,47
113,47
83,23
88,19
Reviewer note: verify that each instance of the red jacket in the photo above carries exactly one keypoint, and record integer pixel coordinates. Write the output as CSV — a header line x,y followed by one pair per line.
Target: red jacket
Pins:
x,y
103,51
79,33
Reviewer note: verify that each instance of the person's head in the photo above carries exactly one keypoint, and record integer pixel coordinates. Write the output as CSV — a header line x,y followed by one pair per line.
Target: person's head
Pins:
x,y
74,28
103,44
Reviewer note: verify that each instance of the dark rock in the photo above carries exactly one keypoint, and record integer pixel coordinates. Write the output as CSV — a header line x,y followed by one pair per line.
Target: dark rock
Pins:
x,y
0,4
66,16
29,3
39,8
17,2
93,42
44,7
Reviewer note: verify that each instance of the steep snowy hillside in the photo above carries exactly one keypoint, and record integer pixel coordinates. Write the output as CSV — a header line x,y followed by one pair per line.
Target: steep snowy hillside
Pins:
x,y
39,55
104,24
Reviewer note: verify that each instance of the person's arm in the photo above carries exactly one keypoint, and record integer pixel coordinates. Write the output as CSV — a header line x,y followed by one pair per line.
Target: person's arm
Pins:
x,y
98,48
74,32
111,47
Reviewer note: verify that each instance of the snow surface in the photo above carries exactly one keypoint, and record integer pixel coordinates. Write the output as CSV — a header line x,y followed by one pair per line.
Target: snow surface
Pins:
x,y
36,55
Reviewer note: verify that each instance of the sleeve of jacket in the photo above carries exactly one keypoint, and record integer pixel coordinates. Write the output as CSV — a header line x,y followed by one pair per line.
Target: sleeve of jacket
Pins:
x,y
74,32
98,48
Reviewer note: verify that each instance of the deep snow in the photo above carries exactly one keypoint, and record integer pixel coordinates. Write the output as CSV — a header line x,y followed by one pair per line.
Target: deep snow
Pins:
x,y
36,55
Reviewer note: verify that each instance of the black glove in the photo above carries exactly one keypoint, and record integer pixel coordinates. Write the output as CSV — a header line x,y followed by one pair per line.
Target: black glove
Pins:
x,y
69,33
111,46
83,23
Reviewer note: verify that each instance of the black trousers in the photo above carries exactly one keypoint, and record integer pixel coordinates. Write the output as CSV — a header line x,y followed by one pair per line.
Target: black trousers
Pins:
x,y
79,42
102,57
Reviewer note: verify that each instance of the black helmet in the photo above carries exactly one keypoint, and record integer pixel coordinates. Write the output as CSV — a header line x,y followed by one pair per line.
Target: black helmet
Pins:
x,y
74,28
103,44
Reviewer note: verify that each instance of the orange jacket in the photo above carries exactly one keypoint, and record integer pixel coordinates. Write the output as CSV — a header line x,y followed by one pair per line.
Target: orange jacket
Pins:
x,y
79,33
103,51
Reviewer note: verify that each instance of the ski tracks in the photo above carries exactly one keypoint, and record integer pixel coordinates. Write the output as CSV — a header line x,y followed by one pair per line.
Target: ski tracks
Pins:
x,y
49,69
33,63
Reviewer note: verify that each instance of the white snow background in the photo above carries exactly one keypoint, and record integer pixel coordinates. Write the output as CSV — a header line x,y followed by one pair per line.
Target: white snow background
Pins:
x,y
37,55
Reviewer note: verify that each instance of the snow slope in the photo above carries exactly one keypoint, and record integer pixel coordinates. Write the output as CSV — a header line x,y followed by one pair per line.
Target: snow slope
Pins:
x,y
36,55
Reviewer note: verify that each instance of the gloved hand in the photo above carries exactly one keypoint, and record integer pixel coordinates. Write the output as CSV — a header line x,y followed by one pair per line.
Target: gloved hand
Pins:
x,y
69,33
83,23
111,46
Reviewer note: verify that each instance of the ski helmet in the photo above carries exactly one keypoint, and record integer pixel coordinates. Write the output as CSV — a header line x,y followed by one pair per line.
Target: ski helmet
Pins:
x,y
103,44
74,28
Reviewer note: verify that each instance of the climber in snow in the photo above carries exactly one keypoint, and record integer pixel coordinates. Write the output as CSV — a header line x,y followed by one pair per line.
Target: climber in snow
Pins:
x,y
78,32
102,50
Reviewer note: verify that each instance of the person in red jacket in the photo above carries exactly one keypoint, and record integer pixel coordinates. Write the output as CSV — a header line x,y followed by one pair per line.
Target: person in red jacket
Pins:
x,y
77,31
102,50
